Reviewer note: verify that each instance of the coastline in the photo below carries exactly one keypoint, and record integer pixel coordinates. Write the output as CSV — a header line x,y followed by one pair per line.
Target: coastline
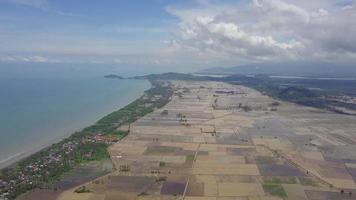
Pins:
x,y
46,166
13,159
22,154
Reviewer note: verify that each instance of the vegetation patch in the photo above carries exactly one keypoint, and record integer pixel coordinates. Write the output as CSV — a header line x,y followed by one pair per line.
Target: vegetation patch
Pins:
x,y
120,134
82,189
275,190
280,180
124,168
162,164
161,179
189,158
47,166
160,150
307,181
265,160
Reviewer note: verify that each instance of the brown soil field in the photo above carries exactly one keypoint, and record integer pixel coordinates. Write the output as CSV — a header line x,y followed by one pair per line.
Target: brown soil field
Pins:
x,y
207,147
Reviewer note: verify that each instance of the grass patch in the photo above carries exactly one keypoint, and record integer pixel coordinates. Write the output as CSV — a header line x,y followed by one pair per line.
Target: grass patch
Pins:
x,y
82,189
162,164
265,160
120,134
160,150
280,180
189,158
124,168
274,190
307,181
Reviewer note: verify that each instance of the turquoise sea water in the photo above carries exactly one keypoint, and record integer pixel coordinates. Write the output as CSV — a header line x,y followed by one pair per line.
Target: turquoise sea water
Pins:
x,y
35,112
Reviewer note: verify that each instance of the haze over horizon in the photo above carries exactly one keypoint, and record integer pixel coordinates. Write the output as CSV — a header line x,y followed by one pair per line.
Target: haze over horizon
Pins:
x,y
172,35
177,99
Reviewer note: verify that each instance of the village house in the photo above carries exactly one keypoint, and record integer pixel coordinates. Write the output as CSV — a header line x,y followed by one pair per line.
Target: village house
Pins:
x,y
108,139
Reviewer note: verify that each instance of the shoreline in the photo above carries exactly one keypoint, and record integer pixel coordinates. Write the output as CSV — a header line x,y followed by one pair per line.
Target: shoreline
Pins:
x,y
19,156
47,165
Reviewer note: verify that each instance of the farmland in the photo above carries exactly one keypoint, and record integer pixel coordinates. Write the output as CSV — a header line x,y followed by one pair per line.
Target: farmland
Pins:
x,y
205,144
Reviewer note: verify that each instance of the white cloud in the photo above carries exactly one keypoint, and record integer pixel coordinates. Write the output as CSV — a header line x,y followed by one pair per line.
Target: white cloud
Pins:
x,y
275,30
211,33
347,7
41,4
27,59
319,13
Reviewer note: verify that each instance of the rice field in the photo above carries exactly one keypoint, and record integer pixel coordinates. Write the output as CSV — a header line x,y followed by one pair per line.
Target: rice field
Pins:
x,y
203,145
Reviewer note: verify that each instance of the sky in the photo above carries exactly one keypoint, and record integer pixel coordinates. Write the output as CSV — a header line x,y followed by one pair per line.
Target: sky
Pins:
x,y
176,35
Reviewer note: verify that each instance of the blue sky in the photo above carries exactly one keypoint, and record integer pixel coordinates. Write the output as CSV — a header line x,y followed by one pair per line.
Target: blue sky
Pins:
x,y
83,31
30,27
176,34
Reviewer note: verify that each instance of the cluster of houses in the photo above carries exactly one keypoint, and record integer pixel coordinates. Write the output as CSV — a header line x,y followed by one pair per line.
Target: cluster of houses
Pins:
x,y
34,169
107,139
3,184
343,98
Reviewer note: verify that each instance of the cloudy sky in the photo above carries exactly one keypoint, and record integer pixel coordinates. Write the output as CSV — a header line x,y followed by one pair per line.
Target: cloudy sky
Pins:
x,y
177,34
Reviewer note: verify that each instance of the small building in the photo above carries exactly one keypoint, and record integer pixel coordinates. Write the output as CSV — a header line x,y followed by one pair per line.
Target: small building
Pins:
x,y
106,138
2,183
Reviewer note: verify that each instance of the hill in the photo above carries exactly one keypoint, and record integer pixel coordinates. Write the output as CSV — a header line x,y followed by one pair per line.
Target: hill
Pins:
x,y
113,76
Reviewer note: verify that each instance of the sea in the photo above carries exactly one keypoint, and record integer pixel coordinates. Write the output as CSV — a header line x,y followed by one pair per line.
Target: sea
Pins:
x,y
38,111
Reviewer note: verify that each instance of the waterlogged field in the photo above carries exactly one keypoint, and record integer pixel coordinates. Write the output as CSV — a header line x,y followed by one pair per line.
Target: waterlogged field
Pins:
x,y
219,141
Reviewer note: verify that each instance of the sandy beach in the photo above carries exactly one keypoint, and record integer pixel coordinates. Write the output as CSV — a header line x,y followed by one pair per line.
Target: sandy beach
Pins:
x,y
47,118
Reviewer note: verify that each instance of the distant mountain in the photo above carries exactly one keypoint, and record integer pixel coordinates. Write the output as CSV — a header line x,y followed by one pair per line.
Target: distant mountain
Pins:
x,y
296,92
305,69
113,76
172,76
